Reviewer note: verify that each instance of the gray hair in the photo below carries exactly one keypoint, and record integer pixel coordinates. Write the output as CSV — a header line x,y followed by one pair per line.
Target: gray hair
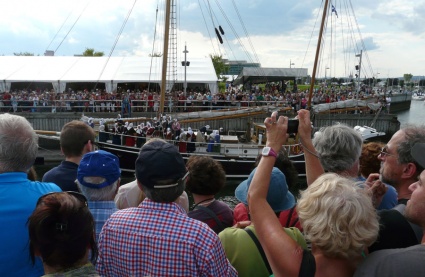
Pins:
x,y
102,194
164,195
413,134
18,144
339,147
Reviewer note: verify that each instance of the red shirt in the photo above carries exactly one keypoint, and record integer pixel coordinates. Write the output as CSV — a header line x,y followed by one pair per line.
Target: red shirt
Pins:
x,y
287,218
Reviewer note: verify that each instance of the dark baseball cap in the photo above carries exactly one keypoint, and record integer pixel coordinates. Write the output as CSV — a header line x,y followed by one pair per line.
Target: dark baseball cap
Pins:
x,y
418,153
159,161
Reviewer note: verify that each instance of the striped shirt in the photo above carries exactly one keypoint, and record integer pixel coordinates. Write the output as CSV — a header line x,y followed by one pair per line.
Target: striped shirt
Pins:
x,y
159,239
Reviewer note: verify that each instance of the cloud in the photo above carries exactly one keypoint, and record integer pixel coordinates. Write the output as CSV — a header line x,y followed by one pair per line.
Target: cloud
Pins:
x,y
279,31
370,44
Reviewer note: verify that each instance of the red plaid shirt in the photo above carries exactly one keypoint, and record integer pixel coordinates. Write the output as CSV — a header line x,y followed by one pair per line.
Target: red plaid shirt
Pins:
x,y
159,239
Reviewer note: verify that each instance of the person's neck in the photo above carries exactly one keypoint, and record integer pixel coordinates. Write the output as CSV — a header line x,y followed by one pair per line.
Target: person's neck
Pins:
x,y
52,269
75,160
199,199
335,266
403,191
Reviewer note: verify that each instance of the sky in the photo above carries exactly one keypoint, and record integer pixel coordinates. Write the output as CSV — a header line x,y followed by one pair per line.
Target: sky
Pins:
x,y
274,33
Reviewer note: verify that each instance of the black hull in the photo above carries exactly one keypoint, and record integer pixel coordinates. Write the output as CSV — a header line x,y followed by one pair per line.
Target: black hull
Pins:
x,y
235,167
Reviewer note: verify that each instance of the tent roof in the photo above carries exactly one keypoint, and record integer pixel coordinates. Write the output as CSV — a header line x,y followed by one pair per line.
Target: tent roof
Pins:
x,y
99,69
257,75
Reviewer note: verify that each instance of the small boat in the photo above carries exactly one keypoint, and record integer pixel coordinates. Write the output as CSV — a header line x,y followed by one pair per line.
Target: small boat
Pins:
x,y
368,132
418,96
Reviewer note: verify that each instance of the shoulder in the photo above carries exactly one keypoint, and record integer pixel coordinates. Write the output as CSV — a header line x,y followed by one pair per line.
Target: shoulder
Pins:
x,y
394,232
394,262
44,187
232,235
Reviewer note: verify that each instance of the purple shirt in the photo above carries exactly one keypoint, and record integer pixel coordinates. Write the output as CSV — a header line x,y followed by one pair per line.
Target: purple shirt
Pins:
x,y
223,212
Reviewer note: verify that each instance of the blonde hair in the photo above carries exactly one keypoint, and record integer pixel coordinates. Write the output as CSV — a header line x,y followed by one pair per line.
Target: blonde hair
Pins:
x,y
337,216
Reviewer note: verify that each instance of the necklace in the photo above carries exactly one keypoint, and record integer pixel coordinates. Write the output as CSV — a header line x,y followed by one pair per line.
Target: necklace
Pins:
x,y
204,202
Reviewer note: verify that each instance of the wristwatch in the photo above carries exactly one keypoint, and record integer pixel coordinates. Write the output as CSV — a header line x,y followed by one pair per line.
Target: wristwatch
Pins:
x,y
268,151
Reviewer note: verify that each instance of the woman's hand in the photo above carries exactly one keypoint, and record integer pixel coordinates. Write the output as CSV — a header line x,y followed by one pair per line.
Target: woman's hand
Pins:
x,y
304,127
276,131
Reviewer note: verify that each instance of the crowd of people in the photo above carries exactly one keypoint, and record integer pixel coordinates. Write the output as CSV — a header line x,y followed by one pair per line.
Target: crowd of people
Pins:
x,y
362,213
137,100
125,133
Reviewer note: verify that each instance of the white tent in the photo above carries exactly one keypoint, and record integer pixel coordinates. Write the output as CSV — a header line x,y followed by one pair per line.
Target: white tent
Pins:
x,y
111,71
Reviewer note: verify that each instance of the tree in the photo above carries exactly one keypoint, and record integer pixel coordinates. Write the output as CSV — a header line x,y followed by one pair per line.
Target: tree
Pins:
x,y
392,82
407,77
89,52
23,54
220,67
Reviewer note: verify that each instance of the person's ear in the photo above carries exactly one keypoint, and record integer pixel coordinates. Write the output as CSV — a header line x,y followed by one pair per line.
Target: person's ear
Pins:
x,y
409,171
139,185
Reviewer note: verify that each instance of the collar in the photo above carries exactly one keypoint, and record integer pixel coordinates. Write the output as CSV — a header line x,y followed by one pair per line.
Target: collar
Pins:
x,y
101,204
13,177
170,207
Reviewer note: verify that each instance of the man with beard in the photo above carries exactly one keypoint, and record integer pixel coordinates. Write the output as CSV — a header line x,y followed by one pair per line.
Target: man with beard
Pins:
x,y
399,169
405,261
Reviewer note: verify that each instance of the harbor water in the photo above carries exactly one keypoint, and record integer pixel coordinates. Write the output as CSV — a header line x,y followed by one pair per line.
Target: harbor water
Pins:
x,y
415,115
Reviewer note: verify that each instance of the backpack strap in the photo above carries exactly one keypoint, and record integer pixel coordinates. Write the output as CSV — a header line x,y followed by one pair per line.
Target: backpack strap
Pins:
x,y
260,249
213,215
288,221
416,229
308,265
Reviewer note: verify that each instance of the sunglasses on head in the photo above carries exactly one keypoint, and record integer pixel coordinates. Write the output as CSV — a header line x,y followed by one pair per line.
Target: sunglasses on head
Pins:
x,y
77,195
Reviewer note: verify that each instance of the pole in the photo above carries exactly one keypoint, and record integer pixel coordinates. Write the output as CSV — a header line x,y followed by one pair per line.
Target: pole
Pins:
x,y
165,56
185,65
185,81
316,59
358,77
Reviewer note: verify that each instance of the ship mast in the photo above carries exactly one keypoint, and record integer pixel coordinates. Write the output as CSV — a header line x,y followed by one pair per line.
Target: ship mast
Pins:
x,y
316,59
165,56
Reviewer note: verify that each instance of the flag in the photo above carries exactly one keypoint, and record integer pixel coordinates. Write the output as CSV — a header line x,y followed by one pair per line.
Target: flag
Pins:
x,y
334,11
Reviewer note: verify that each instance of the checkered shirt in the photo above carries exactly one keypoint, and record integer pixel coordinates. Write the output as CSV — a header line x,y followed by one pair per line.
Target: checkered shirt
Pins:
x,y
159,239
101,211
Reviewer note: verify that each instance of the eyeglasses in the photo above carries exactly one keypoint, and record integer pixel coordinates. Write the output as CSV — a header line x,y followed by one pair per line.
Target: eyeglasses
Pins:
x,y
384,153
77,195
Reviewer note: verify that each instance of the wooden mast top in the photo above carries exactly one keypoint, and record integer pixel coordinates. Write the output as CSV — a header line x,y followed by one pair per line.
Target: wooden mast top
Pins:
x,y
165,56
316,59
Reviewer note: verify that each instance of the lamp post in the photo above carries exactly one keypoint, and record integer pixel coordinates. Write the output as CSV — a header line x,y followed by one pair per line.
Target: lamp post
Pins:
x,y
185,63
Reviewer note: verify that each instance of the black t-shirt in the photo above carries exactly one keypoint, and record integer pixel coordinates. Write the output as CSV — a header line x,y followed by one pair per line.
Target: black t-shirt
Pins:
x,y
394,232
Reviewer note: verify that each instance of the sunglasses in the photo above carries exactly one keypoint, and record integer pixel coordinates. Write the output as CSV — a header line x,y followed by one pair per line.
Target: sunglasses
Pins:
x,y
77,195
384,153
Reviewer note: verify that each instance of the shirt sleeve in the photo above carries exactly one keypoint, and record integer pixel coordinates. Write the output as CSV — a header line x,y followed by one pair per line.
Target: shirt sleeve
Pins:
x,y
216,262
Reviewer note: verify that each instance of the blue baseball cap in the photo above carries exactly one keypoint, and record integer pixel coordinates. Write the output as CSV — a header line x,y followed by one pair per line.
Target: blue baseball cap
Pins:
x,y
278,195
99,164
